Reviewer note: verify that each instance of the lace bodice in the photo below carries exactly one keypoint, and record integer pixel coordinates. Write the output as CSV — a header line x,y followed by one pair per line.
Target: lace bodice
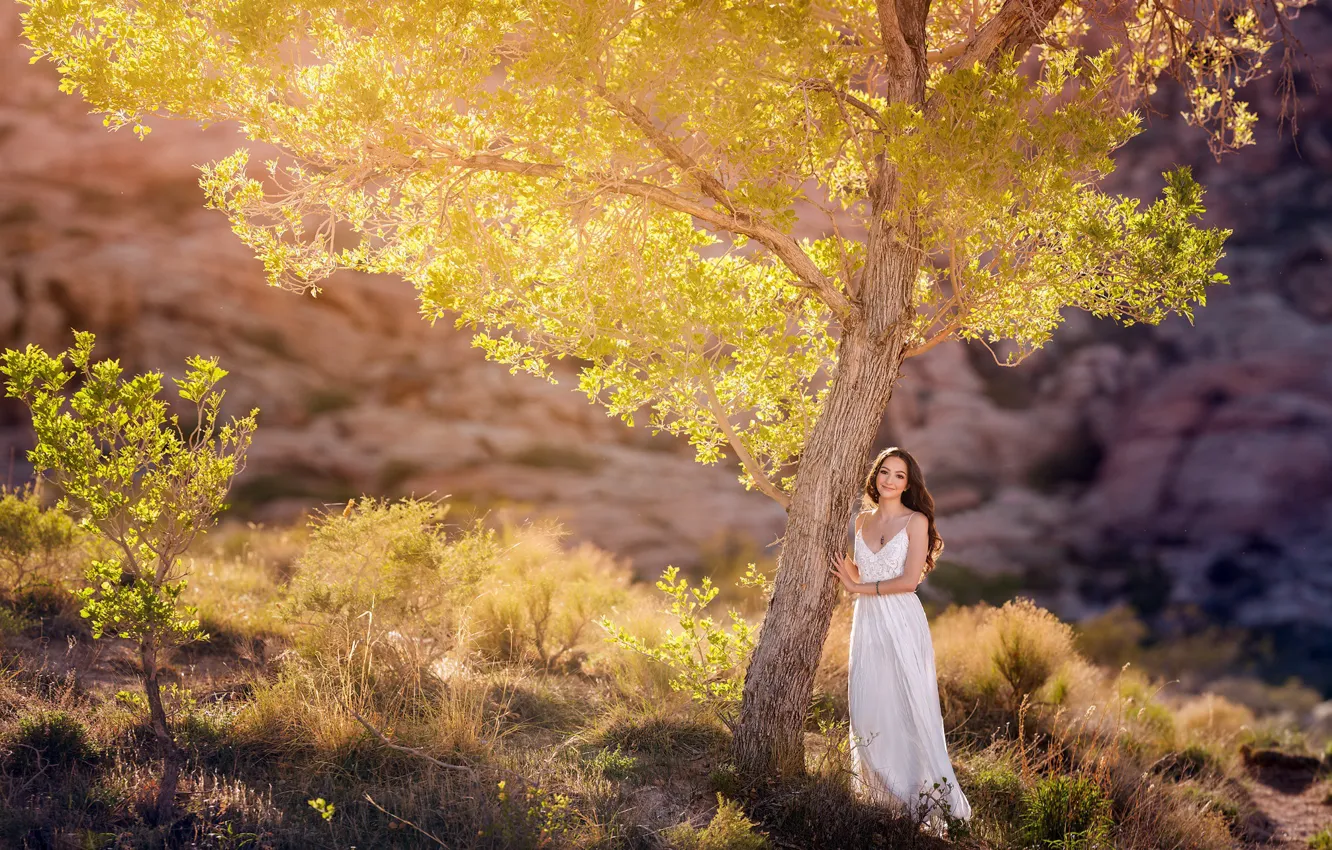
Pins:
x,y
888,562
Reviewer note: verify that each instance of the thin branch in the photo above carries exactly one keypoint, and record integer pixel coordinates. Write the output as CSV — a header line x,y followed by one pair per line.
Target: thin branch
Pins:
x,y
944,334
711,186
780,244
401,819
461,768
848,98
746,459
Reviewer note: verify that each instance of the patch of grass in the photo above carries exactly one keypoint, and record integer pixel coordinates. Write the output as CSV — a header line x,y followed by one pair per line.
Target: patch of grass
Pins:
x,y
613,763
1067,813
545,456
729,829
1212,799
328,400
822,811
1322,840
994,787
659,735
541,602
51,739
1196,761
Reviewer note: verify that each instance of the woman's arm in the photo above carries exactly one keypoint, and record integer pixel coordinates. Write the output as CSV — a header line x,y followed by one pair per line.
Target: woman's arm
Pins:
x,y
918,540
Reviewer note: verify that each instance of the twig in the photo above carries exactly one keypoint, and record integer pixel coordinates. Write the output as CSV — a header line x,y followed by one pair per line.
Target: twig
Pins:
x,y
461,768
402,819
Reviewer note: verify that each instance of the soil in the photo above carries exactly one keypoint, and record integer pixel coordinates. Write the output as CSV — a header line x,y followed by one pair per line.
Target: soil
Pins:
x,y
1293,792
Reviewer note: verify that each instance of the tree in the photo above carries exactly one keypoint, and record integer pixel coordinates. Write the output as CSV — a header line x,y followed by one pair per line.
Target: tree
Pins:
x,y
142,481
619,182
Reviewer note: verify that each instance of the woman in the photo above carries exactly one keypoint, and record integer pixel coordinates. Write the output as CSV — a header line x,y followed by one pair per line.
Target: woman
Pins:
x,y
898,753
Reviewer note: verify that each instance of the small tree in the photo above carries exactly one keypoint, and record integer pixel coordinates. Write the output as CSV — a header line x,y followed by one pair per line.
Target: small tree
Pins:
x,y
143,481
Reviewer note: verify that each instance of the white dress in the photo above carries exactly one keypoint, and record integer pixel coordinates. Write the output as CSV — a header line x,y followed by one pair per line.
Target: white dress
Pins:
x,y
898,751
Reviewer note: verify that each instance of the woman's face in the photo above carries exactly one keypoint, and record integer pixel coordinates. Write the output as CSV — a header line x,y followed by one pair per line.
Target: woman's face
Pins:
x,y
892,478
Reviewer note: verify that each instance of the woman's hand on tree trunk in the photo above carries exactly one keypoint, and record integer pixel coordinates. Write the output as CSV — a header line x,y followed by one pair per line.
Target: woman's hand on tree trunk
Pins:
x,y
848,572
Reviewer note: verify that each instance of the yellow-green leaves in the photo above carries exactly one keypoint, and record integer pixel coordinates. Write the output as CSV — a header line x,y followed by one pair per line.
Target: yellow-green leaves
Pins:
x,y
133,474
622,183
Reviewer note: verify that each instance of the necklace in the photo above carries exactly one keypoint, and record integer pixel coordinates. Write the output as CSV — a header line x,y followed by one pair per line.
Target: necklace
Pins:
x,y
883,537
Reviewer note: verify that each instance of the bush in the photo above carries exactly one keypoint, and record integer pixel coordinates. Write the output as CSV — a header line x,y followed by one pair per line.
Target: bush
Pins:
x,y
994,786
1321,841
51,738
1213,720
1193,762
1066,813
707,660
540,601
728,830
383,578
999,657
37,545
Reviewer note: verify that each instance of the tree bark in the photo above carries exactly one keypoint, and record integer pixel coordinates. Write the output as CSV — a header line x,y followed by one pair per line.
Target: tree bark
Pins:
x,y
172,757
780,679
769,739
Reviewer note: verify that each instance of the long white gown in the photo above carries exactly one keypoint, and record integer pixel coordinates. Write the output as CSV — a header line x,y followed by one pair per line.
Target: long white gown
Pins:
x,y
898,751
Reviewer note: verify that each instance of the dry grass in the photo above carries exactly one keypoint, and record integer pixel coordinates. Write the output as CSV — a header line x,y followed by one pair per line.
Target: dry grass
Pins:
x,y
443,683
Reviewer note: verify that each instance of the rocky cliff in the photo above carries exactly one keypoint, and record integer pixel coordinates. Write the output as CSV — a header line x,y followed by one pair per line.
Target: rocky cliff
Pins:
x,y
1182,469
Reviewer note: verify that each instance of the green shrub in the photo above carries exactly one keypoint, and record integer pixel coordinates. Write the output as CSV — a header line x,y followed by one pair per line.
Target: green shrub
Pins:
x,y
707,660
541,602
1193,762
51,738
385,580
12,623
1322,841
995,787
999,657
1066,813
1214,800
613,763
729,829
37,545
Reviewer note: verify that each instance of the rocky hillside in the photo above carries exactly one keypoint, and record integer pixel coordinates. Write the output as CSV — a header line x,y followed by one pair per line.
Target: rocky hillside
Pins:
x,y
1187,470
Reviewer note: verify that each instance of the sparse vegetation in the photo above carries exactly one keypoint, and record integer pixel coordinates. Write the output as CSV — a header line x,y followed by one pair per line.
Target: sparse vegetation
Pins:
x,y
38,545
384,659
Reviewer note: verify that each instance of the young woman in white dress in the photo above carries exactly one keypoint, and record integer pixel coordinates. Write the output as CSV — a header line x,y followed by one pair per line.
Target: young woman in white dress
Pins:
x,y
898,753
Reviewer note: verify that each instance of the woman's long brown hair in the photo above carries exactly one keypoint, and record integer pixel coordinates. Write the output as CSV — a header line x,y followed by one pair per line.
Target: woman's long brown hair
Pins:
x,y
916,497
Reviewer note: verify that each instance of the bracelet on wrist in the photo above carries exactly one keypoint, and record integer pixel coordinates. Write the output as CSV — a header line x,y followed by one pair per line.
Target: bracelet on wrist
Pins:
x,y
876,587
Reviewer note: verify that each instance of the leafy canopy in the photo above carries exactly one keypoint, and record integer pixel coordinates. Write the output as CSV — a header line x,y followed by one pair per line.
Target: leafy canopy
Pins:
x,y
132,473
677,193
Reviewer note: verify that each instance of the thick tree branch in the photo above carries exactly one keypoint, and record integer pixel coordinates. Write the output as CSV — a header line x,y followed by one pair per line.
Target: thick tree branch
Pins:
x,y
847,98
711,186
780,244
902,32
1013,30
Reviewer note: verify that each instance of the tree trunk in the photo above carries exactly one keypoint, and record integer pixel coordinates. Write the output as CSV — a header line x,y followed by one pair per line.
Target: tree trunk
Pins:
x,y
769,740
172,757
